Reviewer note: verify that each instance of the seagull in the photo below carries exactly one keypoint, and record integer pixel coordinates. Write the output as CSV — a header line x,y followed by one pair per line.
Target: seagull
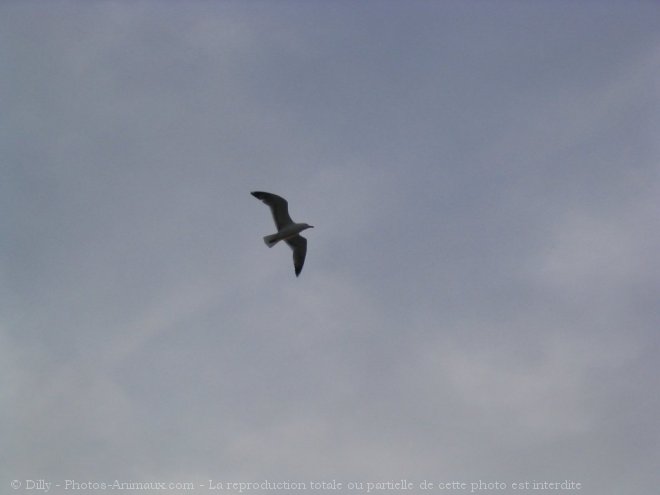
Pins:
x,y
287,229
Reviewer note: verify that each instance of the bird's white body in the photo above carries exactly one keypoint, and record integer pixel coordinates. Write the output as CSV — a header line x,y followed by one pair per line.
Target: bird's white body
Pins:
x,y
286,233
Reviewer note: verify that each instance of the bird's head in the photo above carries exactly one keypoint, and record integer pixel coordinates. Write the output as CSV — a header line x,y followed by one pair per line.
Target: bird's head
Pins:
x,y
307,226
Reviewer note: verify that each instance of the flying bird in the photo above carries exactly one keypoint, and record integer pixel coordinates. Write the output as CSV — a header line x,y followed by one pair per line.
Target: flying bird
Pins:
x,y
287,230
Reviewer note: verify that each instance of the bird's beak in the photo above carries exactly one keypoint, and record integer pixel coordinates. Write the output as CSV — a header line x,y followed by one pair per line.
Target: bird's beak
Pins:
x,y
311,226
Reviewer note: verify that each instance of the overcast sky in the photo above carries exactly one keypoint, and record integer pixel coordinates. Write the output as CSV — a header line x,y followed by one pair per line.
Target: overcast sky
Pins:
x,y
480,295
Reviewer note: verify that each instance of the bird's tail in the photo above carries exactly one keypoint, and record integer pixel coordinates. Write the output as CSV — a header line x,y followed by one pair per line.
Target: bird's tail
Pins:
x,y
271,240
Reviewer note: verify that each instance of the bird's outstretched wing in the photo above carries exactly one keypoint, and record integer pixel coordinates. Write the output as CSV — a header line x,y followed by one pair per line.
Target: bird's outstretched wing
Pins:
x,y
299,246
278,207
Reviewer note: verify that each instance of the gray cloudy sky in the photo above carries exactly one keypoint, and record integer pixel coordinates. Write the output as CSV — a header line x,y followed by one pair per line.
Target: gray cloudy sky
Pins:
x,y
480,296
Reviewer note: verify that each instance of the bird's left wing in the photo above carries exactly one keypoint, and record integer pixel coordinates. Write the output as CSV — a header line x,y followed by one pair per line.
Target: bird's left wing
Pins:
x,y
278,207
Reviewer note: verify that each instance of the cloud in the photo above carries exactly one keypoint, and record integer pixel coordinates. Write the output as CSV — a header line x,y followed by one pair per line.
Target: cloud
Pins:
x,y
477,299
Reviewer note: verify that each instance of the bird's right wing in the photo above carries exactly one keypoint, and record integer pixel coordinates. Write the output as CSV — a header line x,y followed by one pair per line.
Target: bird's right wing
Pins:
x,y
299,246
278,207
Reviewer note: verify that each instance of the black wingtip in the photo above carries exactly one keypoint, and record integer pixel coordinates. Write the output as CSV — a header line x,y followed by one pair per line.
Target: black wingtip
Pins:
x,y
261,195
